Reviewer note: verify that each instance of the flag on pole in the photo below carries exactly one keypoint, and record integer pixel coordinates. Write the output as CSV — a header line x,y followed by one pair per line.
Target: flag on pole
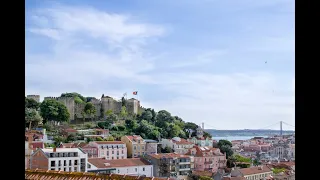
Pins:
x,y
135,92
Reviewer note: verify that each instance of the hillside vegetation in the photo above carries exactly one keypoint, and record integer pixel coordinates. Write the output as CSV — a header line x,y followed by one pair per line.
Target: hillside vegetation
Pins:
x,y
149,123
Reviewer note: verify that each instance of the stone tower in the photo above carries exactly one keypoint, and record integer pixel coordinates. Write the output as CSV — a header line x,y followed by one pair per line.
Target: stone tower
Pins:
x,y
34,97
199,132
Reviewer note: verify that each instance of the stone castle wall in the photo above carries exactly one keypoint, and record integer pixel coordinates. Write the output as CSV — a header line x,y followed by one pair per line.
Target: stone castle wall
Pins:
x,y
34,97
107,103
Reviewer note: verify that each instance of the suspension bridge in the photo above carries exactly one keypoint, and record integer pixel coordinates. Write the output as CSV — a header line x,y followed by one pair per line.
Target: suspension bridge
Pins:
x,y
278,128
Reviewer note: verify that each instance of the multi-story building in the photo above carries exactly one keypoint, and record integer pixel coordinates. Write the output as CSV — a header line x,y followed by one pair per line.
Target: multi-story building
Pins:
x,y
131,166
135,144
253,173
65,159
171,165
151,146
207,158
110,149
179,145
91,150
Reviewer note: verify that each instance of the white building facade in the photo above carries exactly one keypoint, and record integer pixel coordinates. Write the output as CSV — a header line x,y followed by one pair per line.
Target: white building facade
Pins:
x,y
110,149
64,159
131,166
179,145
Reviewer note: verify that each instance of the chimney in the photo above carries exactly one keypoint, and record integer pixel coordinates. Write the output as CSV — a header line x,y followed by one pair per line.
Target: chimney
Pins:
x,y
54,149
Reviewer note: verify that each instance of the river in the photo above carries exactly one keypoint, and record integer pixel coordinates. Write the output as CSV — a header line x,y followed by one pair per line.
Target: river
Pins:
x,y
231,138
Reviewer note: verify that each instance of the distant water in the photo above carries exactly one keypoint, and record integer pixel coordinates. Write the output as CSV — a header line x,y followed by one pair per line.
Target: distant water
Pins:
x,y
232,138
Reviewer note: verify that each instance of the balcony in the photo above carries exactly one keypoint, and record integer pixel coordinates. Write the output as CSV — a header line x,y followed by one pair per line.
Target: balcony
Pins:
x,y
184,162
185,169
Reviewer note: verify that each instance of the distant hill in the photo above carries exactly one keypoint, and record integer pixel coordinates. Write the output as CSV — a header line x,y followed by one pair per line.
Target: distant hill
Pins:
x,y
246,132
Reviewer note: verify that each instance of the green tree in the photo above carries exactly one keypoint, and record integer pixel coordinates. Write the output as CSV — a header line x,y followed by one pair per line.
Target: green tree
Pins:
x,y
52,110
71,138
205,178
123,102
112,118
109,112
99,139
58,140
31,103
147,115
163,116
83,114
32,116
78,97
123,112
90,110
225,147
121,128
110,138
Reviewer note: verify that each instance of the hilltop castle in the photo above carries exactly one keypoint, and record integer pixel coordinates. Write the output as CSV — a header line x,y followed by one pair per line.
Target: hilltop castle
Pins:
x,y
106,103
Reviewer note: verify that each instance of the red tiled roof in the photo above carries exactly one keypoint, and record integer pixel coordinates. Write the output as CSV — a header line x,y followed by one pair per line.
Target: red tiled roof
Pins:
x,y
182,141
168,155
109,142
37,144
233,178
254,170
49,174
202,173
135,137
101,162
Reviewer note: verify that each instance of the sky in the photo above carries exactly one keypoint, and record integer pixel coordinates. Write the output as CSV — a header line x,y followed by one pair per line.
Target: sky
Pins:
x,y
226,63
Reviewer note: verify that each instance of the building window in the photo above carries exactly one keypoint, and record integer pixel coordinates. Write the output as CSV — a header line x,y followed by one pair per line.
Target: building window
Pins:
x,y
53,169
112,152
143,169
69,169
75,169
112,157
70,163
136,169
134,147
64,169
53,163
65,162
107,153
118,171
75,162
117,157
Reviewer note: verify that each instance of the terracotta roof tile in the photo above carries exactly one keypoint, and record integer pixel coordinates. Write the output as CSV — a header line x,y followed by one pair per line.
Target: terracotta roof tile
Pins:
x,y
168,155
109,142
100,162
46,175
254,170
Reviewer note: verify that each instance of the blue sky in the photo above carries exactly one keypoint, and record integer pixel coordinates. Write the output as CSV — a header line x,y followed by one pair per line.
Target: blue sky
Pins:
x,y
201,60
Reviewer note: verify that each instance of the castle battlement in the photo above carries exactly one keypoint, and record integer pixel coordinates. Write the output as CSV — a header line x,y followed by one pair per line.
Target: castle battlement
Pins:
x,y
34,97
105,103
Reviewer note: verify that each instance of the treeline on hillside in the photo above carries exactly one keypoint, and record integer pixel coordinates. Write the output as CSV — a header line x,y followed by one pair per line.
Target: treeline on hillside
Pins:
x,y
149,124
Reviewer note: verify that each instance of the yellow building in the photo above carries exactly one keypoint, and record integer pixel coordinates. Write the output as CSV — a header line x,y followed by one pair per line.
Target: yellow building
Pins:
x,y
135,144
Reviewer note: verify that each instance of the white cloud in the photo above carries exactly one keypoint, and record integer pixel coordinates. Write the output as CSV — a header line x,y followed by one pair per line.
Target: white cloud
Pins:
x,y
95,52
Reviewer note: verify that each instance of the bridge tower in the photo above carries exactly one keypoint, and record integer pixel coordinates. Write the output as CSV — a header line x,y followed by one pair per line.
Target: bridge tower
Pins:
x,y
280,128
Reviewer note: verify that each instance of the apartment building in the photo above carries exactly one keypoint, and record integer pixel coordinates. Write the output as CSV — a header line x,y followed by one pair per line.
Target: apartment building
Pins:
x,y
64,159
253,173
110,149
179,145
131,166
207,158
135,144
170,165
151,146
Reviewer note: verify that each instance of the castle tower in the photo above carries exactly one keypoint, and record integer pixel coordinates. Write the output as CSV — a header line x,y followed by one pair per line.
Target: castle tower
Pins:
x,y
34,97
199,132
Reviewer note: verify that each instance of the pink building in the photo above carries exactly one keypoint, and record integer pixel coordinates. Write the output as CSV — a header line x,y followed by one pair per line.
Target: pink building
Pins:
x,y
92,151
207,158
110,149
